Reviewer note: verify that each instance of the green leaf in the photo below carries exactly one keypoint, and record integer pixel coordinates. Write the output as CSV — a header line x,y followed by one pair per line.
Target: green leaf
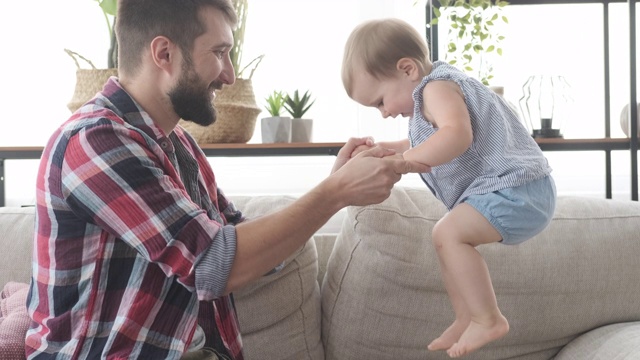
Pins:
x,y
297,106
109,6
275,102
490,48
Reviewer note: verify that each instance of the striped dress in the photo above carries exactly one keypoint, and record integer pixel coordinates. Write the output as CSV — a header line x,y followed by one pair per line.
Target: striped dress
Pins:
x,y
503,154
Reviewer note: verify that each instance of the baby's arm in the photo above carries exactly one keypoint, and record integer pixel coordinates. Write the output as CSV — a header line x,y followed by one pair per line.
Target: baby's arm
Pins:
x,y
445,107
399,146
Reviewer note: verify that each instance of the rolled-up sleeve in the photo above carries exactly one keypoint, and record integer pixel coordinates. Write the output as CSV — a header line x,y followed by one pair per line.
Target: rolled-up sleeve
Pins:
x,y
214,266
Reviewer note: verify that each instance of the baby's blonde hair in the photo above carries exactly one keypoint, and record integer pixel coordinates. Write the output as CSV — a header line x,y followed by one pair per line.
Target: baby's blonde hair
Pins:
x,y
378,45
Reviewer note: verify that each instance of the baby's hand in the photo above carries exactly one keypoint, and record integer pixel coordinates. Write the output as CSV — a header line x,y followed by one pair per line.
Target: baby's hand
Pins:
x,y
370,143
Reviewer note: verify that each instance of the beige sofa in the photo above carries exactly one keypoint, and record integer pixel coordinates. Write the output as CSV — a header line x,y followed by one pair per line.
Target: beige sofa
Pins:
x,y
373,290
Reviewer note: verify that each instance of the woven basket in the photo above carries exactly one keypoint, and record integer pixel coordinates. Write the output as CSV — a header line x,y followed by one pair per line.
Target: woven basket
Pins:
x,y
88,83
237,115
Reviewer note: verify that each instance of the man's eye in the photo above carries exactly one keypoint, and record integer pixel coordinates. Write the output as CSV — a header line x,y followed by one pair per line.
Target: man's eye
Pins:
x,y
219,54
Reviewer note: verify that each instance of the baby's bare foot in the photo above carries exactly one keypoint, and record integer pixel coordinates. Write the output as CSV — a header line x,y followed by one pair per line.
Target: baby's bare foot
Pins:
x,y
449,336
477,335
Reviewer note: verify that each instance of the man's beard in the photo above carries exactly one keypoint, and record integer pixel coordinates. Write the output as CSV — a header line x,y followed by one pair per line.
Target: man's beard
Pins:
x,y
191,99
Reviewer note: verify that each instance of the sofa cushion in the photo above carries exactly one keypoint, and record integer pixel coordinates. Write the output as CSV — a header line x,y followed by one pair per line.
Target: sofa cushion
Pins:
x,y
14,320
279,314
16,241
617,341
383,298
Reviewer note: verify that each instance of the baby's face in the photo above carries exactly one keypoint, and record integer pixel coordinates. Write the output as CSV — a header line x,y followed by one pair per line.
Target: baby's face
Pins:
x,y
391,95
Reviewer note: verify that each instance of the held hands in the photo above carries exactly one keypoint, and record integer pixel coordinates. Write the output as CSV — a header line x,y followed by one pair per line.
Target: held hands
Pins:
x,y
366,173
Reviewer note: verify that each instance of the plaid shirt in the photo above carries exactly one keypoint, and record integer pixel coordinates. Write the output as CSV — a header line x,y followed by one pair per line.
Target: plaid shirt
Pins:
x,y
134,242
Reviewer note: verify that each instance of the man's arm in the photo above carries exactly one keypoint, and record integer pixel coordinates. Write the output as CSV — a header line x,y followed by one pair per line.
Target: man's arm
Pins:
x,y
264,242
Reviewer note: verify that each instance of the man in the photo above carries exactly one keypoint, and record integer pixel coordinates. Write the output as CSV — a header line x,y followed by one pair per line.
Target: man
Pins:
x,y
137,251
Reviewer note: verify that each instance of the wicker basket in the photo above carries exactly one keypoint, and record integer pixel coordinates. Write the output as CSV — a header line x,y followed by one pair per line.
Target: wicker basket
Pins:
x,y
237,115
88,83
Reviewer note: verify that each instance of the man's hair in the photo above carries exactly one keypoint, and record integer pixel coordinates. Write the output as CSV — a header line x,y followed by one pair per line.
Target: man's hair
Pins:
x,y
377,45
140,21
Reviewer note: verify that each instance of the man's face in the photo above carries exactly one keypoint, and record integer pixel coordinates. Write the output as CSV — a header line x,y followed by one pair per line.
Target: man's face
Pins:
x,y
192,97
204,70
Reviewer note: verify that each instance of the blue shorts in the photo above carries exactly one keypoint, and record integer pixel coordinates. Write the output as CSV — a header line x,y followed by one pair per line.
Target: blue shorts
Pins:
x,y
518,213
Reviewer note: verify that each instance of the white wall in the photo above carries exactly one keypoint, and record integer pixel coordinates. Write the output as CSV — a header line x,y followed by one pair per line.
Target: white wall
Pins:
x,y
303,42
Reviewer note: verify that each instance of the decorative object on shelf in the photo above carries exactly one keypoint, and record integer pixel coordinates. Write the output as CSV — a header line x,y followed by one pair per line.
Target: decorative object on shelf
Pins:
x,y
236,104
474,36
625,124
296,106
276,128
544,104
90,81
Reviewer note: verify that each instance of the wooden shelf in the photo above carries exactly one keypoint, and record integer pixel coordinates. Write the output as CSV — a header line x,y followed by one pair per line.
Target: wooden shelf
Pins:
x,y
584,144
320,149
211,150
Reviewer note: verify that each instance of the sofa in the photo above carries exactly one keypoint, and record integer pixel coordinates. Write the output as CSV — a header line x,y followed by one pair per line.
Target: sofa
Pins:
x,y
367,285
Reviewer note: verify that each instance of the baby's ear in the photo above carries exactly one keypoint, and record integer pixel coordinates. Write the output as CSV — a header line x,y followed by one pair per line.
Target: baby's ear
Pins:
x,y
408,66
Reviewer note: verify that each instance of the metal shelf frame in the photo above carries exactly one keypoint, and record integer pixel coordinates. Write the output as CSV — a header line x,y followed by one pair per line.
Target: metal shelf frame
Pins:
x,y
608,144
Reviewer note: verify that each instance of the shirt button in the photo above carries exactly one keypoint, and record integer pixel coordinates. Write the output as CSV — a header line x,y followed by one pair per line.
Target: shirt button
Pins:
x,y
163,145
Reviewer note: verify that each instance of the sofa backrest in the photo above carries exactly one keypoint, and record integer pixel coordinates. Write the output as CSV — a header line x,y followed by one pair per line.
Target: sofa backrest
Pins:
x,y
16,242
383,297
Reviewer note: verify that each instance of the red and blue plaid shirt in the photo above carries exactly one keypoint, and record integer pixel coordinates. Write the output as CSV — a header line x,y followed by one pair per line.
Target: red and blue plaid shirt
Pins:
x,y
134,241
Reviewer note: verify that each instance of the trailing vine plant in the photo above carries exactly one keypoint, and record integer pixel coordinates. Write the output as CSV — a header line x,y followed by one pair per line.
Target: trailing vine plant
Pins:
x,y
474,35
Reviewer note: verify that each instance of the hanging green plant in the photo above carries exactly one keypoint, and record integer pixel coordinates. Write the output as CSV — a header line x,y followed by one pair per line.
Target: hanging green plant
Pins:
x,y
473,34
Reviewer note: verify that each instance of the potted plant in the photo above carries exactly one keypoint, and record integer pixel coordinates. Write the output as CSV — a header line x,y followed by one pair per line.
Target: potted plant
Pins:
x,y
297,106
236,104
276,128
474,36
90,81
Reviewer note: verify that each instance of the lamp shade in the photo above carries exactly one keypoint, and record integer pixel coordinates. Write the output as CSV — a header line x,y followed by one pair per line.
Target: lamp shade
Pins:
x,y
544,104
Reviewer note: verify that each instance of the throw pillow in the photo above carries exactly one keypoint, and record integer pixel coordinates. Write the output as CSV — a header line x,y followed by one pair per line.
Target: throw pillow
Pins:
x,y
14,320
279,314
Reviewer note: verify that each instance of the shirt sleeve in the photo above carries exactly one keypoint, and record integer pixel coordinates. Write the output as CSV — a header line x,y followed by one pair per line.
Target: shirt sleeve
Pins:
x,y
121,181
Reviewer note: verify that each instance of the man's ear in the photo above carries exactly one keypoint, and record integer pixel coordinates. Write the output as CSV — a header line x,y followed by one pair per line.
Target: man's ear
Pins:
x,y
163,52
408,67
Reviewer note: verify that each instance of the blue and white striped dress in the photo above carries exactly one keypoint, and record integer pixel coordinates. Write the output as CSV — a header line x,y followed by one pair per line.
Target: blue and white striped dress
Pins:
x,y
503,154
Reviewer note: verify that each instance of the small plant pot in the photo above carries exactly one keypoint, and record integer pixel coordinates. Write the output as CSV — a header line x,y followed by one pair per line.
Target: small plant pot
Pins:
x,y
625,124
276,129
301,130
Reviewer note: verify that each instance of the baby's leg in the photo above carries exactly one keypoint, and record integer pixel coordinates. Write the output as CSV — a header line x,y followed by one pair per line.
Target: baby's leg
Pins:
x,y
451,335
455,238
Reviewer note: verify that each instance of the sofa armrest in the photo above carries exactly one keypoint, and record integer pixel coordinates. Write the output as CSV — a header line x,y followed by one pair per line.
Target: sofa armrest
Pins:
x,y
617,341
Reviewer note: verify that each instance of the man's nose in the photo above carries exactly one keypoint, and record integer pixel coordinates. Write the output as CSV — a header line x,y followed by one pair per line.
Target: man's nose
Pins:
x,y
228,74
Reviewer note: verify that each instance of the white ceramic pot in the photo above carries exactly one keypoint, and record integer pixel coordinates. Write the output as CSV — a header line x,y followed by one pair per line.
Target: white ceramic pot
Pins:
x,y
624,120
301,130
276,129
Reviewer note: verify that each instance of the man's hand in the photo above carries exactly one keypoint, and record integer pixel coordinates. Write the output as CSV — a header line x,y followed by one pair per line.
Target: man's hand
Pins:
x,y
369,177
350,149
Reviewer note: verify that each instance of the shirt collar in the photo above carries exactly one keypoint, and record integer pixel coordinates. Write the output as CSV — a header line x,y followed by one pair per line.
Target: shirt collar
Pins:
x,y
116,98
